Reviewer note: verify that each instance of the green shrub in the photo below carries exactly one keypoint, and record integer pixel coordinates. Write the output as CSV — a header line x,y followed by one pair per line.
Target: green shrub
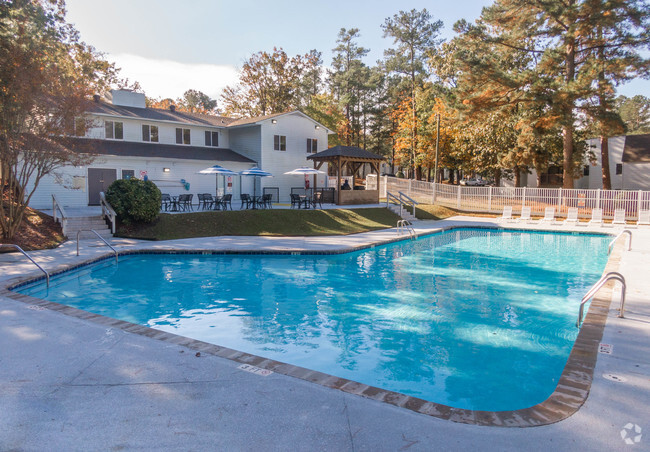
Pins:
x,y
134,200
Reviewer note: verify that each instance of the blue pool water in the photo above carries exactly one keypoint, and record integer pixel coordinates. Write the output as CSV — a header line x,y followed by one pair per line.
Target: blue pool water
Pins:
x,y
471,318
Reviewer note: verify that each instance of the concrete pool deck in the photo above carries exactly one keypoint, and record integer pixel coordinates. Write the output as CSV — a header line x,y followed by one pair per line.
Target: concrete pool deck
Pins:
x,y
72,384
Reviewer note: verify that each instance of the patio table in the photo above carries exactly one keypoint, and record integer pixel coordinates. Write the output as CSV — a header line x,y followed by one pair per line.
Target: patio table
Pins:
x,y
174,207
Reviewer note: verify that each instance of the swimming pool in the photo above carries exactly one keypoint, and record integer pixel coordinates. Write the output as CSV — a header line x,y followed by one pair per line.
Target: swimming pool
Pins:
x,y
470,318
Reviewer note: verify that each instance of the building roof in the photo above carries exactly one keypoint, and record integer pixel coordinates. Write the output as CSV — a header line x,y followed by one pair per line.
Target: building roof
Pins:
x,y
637,149
349,152
159,114
248,121
151,150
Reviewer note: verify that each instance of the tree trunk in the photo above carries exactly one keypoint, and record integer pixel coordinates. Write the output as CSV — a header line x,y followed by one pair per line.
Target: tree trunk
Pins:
x,y
604,158
497,177
517,176
568,120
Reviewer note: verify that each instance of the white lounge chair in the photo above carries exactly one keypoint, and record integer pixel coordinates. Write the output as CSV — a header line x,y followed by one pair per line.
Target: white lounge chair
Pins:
x,y
549,215
525,214
619,217
596,217
507,214
571,216
644,218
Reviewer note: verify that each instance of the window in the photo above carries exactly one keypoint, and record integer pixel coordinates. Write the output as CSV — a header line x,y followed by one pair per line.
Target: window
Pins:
x,y
279,142
619,168
211,138
114,130
585,170
128,173
150,133
182,136
312,145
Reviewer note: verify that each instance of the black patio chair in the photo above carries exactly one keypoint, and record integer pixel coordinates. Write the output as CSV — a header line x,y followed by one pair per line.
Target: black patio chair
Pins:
x,y
267,201
295,200
317,199
226,201
208,201
245,199
200,196
165,201
185,202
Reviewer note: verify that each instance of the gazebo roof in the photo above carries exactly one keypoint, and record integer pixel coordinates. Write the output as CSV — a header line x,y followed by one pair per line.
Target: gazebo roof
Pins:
x,y
346,152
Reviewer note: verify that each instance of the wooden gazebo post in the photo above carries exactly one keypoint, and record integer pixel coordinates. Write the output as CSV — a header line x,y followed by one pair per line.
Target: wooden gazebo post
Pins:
x,y
338,181
352,157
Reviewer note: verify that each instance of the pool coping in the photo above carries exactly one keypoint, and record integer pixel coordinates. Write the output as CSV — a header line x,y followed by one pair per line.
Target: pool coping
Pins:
x,y
569,395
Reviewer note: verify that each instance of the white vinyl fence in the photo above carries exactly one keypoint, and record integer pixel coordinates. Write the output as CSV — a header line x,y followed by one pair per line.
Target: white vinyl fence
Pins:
x,y
493,199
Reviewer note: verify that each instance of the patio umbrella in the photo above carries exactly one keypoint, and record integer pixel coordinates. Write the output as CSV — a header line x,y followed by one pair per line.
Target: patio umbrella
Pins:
x,y
255,172
219,170
305,171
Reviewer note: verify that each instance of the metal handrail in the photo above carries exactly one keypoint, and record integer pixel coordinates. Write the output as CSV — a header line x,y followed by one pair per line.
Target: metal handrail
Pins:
x,y
389,195
596,287
56,205
629,245
107,210
47,275
402,195
406,225
413,201
100,237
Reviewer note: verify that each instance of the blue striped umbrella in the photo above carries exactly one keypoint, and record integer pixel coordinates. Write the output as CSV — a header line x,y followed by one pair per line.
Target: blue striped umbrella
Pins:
x,y
255,172
219,171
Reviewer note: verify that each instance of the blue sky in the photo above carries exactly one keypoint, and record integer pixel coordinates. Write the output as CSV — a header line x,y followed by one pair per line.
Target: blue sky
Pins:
x,y
171,46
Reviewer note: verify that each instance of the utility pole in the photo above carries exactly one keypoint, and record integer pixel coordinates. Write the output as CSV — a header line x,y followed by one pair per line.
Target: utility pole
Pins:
x,y
435,171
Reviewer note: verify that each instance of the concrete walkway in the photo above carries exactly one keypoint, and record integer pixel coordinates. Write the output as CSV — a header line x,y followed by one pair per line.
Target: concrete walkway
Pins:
x,y
72,384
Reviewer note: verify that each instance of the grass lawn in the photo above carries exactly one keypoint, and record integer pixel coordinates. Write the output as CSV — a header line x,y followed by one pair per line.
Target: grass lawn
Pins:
x,y
280,222
435,212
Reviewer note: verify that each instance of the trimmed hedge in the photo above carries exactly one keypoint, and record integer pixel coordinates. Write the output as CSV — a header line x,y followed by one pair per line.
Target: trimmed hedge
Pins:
x,y
134,200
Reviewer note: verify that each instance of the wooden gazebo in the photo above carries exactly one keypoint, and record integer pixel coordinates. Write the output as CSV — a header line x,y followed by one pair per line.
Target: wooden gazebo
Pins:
x,y
353,158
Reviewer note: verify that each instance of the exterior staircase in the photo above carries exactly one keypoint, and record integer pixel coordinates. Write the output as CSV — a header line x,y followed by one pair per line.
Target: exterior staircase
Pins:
x,y
72,225
406,215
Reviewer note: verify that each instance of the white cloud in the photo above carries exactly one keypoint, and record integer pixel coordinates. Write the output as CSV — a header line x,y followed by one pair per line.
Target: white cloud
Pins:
x,y
166,78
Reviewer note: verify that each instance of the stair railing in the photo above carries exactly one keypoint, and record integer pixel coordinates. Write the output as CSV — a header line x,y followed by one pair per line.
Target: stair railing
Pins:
x,y
404,198
405,225
100,238
395,199
596,287
47,275
107,211
57,209
629,243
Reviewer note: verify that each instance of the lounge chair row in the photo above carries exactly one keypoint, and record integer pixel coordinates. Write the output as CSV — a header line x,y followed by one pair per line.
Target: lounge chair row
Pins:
x,y
572,217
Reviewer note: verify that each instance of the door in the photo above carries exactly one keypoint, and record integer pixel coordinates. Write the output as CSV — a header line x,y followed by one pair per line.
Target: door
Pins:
x,y
98,181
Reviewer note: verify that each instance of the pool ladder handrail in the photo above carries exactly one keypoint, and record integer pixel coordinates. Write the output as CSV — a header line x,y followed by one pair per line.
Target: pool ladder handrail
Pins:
x,y
629,244
406,226
47,275
596,287
100,237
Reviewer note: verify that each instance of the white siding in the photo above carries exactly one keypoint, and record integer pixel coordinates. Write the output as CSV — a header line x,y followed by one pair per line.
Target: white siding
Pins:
x,y
636,176
297,128
61,183
595,178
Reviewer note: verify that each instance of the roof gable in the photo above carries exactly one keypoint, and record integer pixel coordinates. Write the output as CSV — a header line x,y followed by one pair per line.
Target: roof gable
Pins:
x,y
637,149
